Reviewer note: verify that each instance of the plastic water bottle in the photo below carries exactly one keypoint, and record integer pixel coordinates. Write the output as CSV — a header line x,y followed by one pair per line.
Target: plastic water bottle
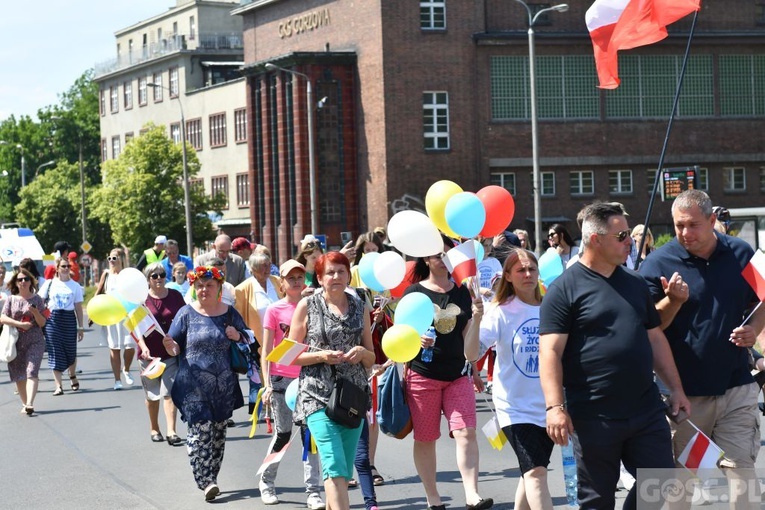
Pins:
x,y
427,354
569,474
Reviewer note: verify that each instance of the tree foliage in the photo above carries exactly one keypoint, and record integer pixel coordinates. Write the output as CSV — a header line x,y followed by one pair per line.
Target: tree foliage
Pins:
x,y
142,193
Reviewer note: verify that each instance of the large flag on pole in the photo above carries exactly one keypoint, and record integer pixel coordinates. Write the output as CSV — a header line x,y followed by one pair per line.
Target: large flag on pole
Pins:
x,y
754,274
624,24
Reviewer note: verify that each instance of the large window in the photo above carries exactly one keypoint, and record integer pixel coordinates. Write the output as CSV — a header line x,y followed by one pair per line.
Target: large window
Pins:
x,y
219,185
582,182
158,90
242,190
142,91
114,99
127,92
504,180
648,84
734,179
433,14
240,125
194,133
435,112
566,87
619,181
217,130
742,84
174,84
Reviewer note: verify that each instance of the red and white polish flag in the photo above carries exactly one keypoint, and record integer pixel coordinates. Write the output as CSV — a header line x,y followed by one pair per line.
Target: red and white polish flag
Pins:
x,y
700,453
625,24
460,261
754,274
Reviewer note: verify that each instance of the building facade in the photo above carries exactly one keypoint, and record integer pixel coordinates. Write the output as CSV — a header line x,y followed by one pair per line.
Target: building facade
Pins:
x,y
192,54
406,93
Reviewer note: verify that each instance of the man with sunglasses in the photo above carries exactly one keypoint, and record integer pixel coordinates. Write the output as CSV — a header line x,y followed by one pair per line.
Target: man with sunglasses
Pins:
x,y
600,340
703,299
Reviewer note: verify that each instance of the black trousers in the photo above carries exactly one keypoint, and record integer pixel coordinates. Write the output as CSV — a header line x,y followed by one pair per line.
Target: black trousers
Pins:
x,y
600,445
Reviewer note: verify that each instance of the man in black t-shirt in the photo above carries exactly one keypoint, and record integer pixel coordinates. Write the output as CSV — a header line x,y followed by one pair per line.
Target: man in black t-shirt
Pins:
x,y
600,340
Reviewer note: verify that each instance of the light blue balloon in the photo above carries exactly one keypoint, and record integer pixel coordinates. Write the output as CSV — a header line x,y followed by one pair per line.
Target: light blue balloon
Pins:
x,y
367,271
465,214
479,251
415,310
290,394
550,266
129,307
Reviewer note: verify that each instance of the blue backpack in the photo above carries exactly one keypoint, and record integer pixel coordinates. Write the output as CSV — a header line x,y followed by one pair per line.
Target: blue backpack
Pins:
x,y
393,414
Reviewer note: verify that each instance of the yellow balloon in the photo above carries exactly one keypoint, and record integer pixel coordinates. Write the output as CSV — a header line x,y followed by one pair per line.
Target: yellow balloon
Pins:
x,y
435,204
401,343
106,310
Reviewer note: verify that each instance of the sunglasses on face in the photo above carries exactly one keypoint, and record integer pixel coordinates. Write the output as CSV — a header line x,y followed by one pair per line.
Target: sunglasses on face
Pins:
x,y
22,279
63,266
112,259
157,276
621,236
551,235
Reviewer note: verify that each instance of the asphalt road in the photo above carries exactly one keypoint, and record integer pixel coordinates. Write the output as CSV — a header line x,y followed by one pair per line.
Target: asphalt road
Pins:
x,y
91,449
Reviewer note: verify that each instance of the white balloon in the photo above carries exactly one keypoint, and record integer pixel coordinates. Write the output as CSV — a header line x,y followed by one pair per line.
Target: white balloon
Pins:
x,y
132,285
389,269
414,234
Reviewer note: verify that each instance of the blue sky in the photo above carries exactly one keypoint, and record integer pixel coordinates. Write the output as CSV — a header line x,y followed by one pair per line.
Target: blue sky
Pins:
x,y
46,45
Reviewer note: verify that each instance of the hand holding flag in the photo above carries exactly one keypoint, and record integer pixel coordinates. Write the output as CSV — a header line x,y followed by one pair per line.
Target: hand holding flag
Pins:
x,y
754,274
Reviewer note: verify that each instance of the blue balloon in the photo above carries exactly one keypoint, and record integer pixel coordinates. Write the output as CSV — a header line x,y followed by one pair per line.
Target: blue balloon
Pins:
x,y
367,271
129,307
465,214
290,394
479,251
550,266
415,310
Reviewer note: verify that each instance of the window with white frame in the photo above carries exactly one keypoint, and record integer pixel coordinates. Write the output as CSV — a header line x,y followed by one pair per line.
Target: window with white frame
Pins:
x,y
192,28
240,125
504,180
243,190
194,133
175,132
702,178
619,182
174,82
127,93
116,147
734,178
114,99
142,91
157,80
582,182
219,185
217,129
435,113
547,183
433,14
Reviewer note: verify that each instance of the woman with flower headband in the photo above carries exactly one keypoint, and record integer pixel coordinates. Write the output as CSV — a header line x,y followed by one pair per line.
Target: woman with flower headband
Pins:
x,y
206,390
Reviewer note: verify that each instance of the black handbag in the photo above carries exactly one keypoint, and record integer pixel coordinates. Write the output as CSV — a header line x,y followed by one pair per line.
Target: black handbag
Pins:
x,y
347,402
239,360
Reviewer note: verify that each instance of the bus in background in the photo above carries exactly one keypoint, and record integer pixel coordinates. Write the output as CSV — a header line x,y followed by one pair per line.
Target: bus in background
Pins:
x,y
18,243
748,223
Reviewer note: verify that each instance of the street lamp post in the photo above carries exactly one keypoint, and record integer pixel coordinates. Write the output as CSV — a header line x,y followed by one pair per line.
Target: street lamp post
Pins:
x,y
186,192
23,162
46,164
311,155
534,129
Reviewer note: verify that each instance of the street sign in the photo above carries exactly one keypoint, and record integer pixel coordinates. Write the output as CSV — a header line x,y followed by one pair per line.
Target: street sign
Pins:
x,y
86,260
86,247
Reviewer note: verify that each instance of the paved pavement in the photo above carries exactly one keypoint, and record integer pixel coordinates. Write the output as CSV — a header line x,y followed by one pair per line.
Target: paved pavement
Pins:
x,y
91,449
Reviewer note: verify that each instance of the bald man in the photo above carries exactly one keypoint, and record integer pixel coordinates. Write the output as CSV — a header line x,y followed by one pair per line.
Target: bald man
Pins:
x,y
235,267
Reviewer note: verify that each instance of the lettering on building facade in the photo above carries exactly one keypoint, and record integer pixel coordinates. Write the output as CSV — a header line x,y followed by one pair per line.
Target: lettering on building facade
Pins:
x,y
299,24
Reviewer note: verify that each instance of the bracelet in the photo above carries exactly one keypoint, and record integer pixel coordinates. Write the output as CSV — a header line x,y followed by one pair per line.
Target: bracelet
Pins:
x,y
549,408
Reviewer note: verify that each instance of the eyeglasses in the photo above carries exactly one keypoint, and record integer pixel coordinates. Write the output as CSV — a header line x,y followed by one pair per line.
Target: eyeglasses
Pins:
x,y
22,279
62,266
112,259
621,236
157,276
551,234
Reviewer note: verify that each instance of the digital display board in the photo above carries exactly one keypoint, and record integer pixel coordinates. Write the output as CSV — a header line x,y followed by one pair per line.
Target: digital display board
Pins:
x,y
676,180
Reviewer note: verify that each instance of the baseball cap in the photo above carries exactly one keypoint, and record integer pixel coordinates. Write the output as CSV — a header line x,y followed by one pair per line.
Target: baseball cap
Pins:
x,y
160,240
241,243
512,238
288,266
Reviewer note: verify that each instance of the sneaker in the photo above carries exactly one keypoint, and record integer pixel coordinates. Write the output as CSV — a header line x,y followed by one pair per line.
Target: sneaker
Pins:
x,y
128,378
314,502
211,492
117,385
268,494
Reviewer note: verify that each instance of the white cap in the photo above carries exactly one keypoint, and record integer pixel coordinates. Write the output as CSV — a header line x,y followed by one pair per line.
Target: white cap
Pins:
x,y
160,240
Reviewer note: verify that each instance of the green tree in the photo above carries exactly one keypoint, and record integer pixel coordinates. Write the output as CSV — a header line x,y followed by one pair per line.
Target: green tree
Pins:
x,y
141,195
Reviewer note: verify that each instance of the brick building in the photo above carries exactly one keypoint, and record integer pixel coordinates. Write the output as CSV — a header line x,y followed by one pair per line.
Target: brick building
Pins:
x,y
406,93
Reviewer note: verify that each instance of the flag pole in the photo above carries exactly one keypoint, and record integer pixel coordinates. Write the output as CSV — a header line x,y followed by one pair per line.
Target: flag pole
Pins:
x,y
666,139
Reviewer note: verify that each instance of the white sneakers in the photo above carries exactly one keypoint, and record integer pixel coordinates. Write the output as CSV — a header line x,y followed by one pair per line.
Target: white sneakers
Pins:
x,y
314,502
128,378
267,494
117,385
211,492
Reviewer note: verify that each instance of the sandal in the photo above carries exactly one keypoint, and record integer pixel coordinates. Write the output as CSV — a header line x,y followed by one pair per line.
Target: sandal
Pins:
x,y
30,410
59,391
75,383
352,483
377,479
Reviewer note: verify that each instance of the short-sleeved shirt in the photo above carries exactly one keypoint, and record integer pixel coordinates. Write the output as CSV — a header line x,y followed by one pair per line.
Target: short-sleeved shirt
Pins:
x,y
453,311
164,310
513,327
487,269
708,363
608,359
278,319
61,295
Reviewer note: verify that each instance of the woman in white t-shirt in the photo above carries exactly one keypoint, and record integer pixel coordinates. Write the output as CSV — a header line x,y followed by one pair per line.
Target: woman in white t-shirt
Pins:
x,y
511,324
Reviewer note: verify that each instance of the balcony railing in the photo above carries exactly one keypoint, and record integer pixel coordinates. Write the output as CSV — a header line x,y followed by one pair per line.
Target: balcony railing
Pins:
x,y
198,42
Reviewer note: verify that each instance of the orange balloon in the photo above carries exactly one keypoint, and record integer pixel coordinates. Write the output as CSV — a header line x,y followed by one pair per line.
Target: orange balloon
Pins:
x,y
500,209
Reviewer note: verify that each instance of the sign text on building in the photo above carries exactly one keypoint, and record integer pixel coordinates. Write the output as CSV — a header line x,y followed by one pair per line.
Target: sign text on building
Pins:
x,y
299,24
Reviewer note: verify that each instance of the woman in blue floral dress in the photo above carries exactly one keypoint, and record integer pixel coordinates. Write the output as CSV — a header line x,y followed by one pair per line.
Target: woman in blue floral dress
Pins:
x,y
206,390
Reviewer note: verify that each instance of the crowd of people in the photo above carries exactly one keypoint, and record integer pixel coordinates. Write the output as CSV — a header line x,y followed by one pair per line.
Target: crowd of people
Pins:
x,y
590,361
